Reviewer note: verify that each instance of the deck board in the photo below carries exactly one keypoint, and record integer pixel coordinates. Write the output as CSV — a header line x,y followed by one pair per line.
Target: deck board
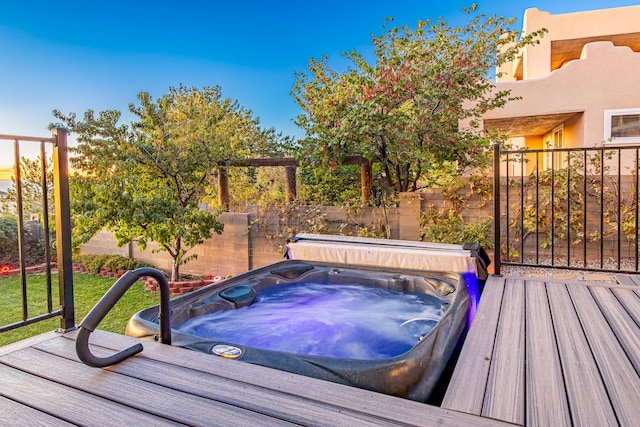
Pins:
x,y
587,396
581,354
504,397
630,301
545,390
464,394
68,403
628,279
339,397
166,385
540,352
219,389
133,392
620,377
11,411
623,325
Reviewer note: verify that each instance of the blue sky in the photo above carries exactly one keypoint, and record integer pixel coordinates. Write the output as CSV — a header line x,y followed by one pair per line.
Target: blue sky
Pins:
x,y
76,55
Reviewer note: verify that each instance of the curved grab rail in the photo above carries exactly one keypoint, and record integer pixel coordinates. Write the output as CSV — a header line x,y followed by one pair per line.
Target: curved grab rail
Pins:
x,y
107,302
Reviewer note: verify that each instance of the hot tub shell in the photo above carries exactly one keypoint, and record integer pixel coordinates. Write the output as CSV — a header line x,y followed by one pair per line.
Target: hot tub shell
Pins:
x,y
411,375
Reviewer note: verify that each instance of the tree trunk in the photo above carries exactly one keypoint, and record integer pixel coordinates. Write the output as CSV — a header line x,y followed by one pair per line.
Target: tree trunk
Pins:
x,y
175,272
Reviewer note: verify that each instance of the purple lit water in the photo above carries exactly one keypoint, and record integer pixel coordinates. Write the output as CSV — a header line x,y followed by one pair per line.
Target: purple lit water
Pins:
x,y
345,321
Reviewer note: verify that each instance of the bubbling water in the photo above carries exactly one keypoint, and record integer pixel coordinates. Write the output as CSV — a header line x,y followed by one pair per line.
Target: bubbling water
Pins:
x,y
345,321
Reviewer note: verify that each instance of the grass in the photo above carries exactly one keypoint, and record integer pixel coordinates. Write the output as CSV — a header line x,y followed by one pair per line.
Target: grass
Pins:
x,y
88,290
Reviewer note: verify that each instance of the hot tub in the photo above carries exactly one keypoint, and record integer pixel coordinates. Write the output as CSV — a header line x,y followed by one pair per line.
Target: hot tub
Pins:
x,y
384,329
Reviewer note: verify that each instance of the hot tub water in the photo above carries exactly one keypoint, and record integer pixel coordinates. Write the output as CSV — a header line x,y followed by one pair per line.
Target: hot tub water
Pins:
x,y
343,321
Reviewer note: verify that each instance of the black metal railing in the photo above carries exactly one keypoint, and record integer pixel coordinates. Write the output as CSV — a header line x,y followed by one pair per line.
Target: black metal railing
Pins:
x,y
107,302
569,208
65,308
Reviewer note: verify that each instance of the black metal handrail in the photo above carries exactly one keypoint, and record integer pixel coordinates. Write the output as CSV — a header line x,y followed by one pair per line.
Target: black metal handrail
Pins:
x,y
63,230
580,200
107,302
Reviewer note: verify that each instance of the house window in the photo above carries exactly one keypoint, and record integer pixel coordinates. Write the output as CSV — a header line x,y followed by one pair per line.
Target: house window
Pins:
x,y
554,139
622,125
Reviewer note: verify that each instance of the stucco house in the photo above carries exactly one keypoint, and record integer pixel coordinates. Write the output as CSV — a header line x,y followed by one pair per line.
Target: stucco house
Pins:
x,y
580,86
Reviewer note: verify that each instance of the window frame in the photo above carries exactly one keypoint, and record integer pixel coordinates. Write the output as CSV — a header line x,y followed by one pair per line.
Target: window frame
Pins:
x,y
608,116
559,159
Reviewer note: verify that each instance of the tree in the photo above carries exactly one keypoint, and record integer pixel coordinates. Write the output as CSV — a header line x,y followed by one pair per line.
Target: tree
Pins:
x,y
144,180
32,207
9,250
31,183
403,111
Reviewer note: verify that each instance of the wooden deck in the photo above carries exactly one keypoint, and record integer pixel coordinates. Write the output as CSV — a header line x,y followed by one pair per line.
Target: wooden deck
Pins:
x,y
540,352
43,383
552,353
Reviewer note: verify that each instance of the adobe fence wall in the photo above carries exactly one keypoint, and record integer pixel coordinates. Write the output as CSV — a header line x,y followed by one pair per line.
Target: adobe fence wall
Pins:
x,y
248,242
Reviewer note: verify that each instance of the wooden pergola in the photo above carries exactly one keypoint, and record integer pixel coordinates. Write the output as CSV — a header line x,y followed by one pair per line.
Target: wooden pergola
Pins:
x,y
290,164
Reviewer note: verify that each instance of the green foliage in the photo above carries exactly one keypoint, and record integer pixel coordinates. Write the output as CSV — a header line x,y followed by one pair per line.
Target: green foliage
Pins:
x,y
32,207
93,263
403,111
117,262
257,186
330,186
145,180
31,186
445,224
451,229
9,254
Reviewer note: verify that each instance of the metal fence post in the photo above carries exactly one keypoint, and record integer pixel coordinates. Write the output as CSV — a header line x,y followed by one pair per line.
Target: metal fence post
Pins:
x,y
63,228
496,209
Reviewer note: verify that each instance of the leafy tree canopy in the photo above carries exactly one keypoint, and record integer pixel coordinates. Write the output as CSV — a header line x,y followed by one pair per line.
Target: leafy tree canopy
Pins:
x,y
403,110
145,179
31,186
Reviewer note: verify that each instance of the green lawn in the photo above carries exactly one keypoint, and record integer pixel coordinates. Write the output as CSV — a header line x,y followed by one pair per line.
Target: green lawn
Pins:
x,y
88,290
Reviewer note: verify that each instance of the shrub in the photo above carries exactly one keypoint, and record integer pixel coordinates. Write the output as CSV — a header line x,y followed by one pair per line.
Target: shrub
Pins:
x,y
93,263
9,254
452,229
117,262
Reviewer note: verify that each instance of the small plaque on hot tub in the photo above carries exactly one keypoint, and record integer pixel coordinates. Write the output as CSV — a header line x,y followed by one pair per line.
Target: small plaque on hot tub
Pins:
x,y
226,351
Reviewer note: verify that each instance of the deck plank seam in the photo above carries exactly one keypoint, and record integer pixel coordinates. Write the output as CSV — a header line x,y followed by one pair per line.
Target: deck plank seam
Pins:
x,y
560,358
493,348
326,404
138,407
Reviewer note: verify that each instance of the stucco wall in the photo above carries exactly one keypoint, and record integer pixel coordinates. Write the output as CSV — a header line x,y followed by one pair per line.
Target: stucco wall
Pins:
x,y
576,27
606,77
